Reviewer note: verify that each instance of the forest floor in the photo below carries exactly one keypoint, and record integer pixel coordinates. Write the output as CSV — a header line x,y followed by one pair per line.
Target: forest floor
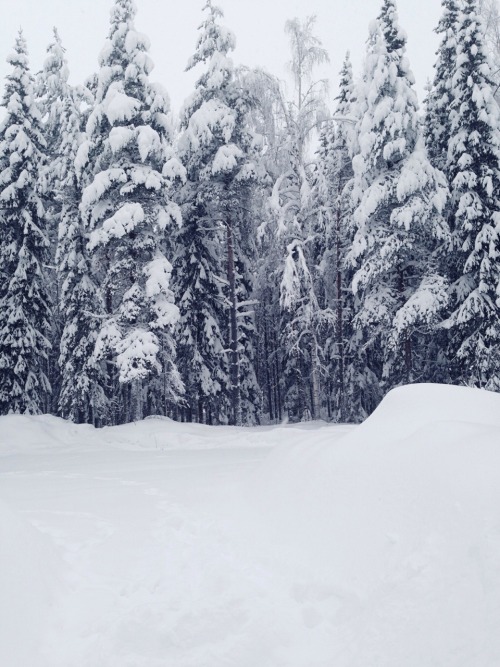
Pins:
x,y
173,545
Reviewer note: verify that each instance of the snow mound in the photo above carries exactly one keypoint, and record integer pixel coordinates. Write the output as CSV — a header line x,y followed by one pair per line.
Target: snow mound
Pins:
x,y
25,434
29,582
408,409
403,514
39,434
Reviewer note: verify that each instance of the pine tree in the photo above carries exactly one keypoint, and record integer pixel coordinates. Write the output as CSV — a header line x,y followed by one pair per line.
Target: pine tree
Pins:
x,y
347,388
128,212
52,90
202,356
474,176
437,124
400,227
217,149
24,299
81,397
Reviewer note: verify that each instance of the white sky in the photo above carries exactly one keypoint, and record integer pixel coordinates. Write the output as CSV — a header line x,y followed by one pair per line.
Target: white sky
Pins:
x,y
172,27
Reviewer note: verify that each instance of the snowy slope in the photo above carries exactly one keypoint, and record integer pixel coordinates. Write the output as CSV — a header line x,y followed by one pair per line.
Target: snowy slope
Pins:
x,y
166,544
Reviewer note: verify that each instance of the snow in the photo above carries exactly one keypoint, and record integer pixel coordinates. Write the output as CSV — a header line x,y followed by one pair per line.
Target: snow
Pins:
x,y
29,583
148,140
137,354
118,106
160,543
124,221
226,159
119,137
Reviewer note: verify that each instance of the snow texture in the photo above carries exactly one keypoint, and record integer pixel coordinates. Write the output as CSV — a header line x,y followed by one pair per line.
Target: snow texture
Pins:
x,y
300,546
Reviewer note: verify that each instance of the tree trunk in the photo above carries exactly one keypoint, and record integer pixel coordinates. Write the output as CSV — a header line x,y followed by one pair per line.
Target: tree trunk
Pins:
x,y
407,347
340,324
268,374
315,389
234,371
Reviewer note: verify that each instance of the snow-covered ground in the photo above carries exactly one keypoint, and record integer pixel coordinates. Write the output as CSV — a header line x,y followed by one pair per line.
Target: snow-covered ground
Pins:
x,y
160,544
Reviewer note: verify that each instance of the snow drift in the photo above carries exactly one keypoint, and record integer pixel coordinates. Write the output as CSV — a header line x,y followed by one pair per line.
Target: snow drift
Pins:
x,y
303,546
403,515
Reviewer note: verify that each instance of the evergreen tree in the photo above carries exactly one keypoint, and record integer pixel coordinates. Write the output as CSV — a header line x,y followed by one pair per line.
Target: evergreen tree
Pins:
x,y
128,212
349,383
400,228
202,355
81,397
52,90
24,299
473,172
217,149
437,125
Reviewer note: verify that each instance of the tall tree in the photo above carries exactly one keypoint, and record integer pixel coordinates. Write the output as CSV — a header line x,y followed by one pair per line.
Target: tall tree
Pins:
x,y
128,212
81,396
24,298
217,148
302,316
437,122
400,199
474,176
349,385
52,90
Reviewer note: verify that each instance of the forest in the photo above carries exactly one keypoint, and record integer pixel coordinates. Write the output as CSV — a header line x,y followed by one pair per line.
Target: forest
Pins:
x,y
266,254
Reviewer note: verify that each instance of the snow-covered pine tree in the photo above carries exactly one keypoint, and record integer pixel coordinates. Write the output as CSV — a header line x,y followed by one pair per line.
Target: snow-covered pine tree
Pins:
x,y
128,212
346,377
52,89
81,396
201,348
24,298
217,149
474,175
437,123
400,198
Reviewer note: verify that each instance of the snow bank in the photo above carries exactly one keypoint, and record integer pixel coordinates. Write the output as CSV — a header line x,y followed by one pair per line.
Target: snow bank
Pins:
x,y
369,546
403,515
21,434
29,582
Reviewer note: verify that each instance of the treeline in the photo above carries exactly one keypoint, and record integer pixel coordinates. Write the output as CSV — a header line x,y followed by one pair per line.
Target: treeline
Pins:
x,y
210,267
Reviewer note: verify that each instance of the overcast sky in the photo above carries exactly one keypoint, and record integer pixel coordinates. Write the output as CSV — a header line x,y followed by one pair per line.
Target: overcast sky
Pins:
x,y
172,27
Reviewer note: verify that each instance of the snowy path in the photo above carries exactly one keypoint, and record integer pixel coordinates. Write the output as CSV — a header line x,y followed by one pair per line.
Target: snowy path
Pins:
x,y
158,568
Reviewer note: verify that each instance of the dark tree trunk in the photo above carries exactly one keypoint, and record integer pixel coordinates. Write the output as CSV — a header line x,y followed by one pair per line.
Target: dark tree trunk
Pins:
x,y
235,416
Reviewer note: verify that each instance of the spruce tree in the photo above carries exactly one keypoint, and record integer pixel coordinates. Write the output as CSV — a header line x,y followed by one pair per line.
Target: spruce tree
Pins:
x,y
349,384
437,123
216,147
400,229
52,90
24,297
129,214
81,396
474,176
